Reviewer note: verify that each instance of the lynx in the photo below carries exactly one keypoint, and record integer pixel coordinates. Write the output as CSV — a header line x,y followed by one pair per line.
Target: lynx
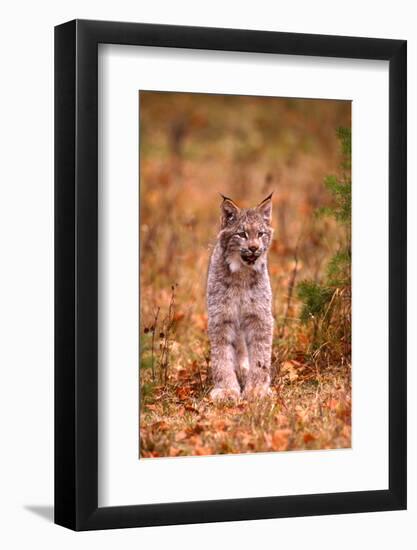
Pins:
x,y
240,322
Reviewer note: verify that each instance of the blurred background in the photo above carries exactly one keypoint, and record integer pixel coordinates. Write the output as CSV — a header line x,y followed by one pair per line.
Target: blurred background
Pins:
x,y
194,146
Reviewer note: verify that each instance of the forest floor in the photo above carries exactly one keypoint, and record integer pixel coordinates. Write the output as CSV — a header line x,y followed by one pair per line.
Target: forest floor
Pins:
x,y
308,409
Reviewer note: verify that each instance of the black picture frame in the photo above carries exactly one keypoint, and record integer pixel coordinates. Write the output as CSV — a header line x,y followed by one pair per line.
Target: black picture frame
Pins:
x,y
76,272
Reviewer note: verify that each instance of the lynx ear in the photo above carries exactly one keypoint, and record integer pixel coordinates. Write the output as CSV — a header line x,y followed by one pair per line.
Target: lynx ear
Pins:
x,y
230,211
265,208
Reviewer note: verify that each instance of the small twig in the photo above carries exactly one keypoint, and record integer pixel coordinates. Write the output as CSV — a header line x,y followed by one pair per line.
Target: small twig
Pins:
x,y
209,378
168,324
327,313
153,343
201,378
291,284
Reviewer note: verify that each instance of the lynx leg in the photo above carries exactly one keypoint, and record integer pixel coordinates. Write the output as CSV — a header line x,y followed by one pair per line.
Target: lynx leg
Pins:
x,y
223,358
242,360
259,341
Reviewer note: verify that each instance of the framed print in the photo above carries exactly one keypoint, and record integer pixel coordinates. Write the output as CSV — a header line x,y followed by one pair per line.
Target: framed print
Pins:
x,y
230,253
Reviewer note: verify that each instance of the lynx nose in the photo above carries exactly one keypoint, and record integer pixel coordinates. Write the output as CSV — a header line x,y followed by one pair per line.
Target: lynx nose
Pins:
x,y
253,248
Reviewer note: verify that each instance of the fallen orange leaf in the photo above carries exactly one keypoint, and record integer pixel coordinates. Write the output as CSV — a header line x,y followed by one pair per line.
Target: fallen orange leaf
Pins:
x,y
221,425
180,436
280,439
182,392
308,437
173,451
203,450
190,408
161,425
179,315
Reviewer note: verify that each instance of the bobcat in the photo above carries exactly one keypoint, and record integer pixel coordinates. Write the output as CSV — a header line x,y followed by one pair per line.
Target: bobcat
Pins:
x,y
239,297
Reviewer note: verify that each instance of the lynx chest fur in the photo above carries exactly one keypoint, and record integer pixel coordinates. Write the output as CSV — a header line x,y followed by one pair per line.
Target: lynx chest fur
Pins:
x,y
239,301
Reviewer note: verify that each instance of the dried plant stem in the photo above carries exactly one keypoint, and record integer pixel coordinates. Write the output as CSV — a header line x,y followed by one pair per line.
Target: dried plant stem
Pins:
x,y
201,378
168,324
291,284
153,343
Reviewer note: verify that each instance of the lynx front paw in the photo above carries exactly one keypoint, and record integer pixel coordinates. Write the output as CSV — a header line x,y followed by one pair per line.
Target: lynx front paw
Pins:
x,y
225,394
257,392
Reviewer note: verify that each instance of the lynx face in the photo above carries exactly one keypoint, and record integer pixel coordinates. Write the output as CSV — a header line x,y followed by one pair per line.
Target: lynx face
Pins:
x,y
246,234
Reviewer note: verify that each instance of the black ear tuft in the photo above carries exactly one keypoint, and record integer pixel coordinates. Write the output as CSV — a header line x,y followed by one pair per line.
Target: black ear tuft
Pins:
x,y
265,208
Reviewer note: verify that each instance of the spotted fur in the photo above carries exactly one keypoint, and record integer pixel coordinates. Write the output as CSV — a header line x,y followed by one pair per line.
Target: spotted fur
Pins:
x,y
239,301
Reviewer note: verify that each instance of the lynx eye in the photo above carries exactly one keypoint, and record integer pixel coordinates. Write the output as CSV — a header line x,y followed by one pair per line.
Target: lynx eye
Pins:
x,y
261,234
243,235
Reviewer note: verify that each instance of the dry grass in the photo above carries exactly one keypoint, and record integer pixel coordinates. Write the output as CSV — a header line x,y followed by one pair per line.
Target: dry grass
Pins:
x,y
192,147
306,411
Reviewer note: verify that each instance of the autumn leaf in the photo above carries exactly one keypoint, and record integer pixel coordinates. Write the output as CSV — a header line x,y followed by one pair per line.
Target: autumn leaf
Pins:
x,y
347,432
246,438
173,451
202,450
333,404
197,429
181,435
190,408
200,321
282,420
150,454
279,440
288,368
195,440
221,424
302,414
178,316
308,437
182,392
161,425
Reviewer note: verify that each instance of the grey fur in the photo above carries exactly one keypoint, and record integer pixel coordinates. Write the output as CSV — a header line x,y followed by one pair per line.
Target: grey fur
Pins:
x,y
239,300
